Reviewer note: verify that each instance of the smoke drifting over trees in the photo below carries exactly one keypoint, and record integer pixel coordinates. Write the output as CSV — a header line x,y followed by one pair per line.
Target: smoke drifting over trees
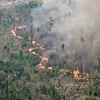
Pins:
x,y
74,23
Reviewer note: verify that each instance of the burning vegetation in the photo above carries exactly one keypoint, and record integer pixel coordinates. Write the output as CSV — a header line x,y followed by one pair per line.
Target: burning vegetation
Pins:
x,y
54,55
44,59
49,39
38,46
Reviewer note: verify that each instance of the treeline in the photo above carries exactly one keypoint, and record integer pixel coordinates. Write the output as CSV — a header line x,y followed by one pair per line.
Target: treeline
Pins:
x,y
26,8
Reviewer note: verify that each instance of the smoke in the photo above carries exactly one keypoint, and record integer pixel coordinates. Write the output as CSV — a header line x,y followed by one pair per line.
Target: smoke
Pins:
x,y
68,22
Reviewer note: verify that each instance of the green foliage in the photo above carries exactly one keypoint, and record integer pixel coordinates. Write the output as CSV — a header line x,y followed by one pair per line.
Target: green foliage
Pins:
x,y
54,93
8,68
28,76
26,9
28,19
33,4
93,89
43,88
19,74
26,92
46,75
12,69
1,13
36,89
90,98
97,92
7,48
1,97
50,90
23,44
24,59
7,20
23,9
35,70
15,96
52,73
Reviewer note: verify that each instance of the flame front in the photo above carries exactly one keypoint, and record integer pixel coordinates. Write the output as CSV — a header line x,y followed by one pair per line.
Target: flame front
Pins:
x,y
50,68
14,31
44,59
33,53
34,42
76,74
37,45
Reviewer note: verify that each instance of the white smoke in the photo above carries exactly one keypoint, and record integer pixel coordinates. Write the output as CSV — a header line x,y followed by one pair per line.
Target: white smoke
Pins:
x,y
73,20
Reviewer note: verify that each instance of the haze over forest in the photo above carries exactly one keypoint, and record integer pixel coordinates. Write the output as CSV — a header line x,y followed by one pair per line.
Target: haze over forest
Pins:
x,y
73,21
49,50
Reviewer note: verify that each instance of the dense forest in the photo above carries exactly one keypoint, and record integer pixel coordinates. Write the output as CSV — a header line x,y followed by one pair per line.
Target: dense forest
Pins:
x,y
37,62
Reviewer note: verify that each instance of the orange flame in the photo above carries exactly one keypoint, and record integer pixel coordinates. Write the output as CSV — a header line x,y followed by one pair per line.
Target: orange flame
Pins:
x,y
42,67
14,31
50,68
76,74
31,50
34,42
44,59
33,53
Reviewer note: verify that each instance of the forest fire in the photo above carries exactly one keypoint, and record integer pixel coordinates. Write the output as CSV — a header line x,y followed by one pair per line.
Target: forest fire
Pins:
x,y
44,59
49,50
34,42
31,49
41,67
33,53
50,68
37,45
76,74
16,29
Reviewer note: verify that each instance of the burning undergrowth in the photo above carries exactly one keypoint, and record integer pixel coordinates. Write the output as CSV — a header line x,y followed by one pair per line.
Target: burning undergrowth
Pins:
x,y
64,31
67,27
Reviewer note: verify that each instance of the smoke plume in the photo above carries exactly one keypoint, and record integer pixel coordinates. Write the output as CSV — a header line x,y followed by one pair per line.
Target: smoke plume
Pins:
x,y
74,23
